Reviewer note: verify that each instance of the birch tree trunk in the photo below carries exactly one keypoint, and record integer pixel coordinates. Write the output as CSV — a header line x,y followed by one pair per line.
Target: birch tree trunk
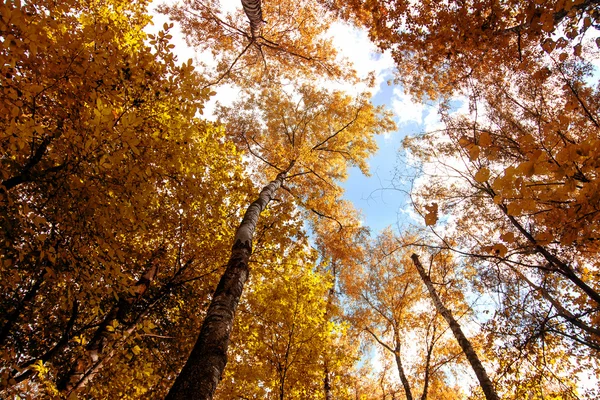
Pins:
x,y
253,10
401,374
202,372
327,382
482,376
327,374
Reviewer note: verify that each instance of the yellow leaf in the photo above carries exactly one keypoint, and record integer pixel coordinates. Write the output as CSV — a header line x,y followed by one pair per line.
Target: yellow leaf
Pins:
x,y
464,142
474,151
544,238
513,209
482,175
499,250
526,168
432,215
485,139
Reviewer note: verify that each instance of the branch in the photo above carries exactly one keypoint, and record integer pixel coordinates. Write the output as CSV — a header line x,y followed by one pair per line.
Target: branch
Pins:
x,y
228,69
317,146
379,341
328,217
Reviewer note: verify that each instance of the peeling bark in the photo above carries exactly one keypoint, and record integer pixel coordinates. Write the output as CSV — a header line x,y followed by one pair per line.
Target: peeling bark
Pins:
x,y
203,370
482,376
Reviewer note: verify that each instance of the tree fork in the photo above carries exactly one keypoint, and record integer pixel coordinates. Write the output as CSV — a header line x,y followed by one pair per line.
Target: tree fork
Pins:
x,y
202,372
482,376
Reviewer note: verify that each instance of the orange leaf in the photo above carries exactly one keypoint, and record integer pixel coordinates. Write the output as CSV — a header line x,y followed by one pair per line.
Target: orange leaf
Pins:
x,y
482,175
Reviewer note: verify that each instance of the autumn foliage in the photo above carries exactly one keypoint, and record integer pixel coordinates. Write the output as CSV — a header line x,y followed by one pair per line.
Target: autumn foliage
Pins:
x,y
141,242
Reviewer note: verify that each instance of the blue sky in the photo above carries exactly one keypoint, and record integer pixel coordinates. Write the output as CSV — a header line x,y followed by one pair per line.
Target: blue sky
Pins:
x,y
379,203
375,196
382,197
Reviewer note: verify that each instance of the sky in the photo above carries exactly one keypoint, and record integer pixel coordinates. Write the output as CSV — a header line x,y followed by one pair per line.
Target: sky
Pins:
x,y
380,197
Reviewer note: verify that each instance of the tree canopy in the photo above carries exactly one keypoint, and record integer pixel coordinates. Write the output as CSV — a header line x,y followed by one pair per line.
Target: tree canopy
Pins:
x,y
149,251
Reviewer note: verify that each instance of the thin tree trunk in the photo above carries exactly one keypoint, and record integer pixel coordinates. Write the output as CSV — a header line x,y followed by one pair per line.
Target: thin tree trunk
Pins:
x,y
562,311
403,379
60,345
25,175
428,361
202,371
107,355
12,317
327,378
396,352
89,360
561,267
327,382
482,376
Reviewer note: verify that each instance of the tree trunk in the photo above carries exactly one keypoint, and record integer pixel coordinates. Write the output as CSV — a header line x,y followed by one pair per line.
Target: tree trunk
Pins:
x,y
562,267
428,360
562,311
78,375
482,376
11,318
202,371
403,379
59,346
327,374
253,11
327,382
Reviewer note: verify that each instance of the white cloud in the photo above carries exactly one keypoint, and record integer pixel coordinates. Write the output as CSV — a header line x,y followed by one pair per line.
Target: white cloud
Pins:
x,y
432,121
354,45
226,95
405,108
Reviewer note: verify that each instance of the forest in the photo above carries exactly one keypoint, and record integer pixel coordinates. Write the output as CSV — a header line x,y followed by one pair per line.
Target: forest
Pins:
x,y
151,251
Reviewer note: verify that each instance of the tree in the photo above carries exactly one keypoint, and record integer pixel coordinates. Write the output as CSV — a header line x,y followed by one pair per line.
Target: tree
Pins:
x,y
532,189
309,144
106,172
484,381
515,174
282,334
388,303
472,39
289,45
511,179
